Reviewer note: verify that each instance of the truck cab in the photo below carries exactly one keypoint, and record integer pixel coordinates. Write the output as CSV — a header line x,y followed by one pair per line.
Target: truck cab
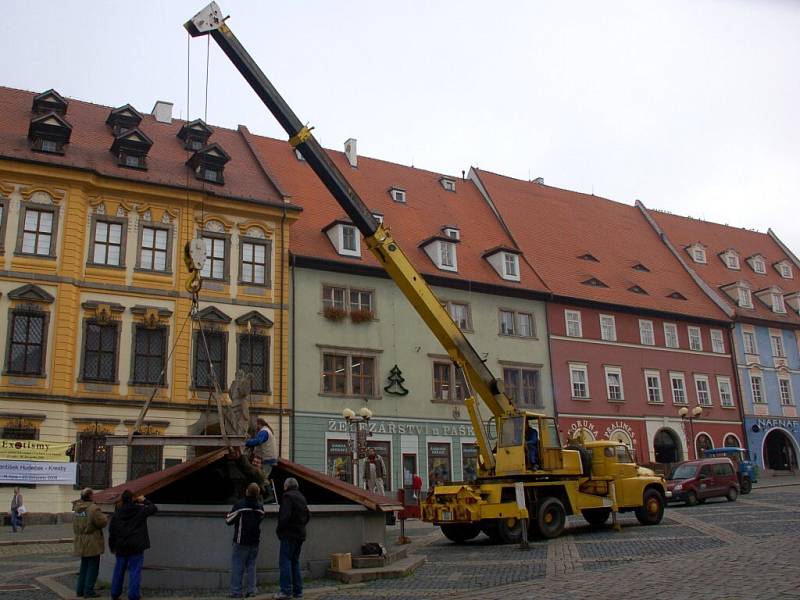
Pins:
x,y
746,469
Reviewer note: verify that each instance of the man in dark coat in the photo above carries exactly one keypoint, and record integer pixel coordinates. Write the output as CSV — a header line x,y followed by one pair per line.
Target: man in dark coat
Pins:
x,y
128,539
291,531
245,516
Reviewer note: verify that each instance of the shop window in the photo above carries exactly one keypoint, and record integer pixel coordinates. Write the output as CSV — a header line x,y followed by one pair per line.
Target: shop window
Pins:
x,y
143,460
731,441
409,470
522,385
94,461
703,443
439,464
149,355
18,429
254,359
26,348
210,355
340,460
100,352
469,461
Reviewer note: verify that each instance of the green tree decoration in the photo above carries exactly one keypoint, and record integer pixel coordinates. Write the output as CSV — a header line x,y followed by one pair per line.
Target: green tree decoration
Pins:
x,y
396,382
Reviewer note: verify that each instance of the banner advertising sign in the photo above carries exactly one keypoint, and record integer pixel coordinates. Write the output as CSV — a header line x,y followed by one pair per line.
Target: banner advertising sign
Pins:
x,y
37,472
34,450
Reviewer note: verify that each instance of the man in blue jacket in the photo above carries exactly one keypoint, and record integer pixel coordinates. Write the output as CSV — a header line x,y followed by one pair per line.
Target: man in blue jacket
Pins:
x,y
245,516
264,448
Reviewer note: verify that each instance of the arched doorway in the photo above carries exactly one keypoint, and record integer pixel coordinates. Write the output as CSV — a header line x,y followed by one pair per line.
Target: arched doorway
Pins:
x,y
779,451
667,446
731,441
701,444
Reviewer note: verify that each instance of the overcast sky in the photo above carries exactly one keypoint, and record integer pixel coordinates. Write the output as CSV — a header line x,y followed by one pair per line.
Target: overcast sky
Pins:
x,y
692,107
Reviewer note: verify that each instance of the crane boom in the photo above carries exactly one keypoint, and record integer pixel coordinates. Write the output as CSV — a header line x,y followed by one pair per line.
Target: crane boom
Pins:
x,y
378,238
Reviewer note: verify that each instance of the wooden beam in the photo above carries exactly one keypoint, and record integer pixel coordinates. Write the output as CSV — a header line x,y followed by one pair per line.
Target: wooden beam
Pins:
x,y
175,440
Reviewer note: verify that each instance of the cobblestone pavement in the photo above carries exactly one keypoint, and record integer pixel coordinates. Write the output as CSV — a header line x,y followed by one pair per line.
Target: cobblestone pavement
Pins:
x,y
720,550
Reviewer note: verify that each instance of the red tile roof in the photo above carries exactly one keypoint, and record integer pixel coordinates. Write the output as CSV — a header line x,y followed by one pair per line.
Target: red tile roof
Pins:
x,y
91,140
684,231
428,208
555,227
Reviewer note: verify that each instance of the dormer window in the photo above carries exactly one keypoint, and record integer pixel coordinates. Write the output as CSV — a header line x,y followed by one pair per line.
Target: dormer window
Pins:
x,y
344,237
745,298
49,102
637,290
589,257
131,148
452,232
194,135
442,251
208,163
784,269
758,264
676,296
124,118
397,194
698,253
448,184
731,260
778,305
640,267
505,261
594,282
49,133
793,300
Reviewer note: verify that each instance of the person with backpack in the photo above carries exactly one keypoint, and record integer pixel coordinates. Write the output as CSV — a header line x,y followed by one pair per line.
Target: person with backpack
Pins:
x,y
87,526
245,516
292,519
128,539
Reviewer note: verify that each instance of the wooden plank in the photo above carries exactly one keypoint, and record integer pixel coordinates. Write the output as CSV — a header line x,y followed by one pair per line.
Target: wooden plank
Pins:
x,y
174,440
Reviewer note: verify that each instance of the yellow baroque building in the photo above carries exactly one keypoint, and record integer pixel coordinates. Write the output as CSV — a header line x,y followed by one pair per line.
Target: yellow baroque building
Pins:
x,y
96,205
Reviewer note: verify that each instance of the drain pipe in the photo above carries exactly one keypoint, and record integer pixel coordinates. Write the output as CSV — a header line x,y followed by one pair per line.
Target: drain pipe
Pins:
x,y
281,333
293,321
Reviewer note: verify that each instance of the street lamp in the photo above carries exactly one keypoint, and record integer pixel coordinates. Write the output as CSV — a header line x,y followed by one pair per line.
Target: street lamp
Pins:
x,y
695,413
356,434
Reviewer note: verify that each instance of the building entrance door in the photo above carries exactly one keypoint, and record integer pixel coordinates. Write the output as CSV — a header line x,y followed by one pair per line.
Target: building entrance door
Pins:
x,y
667,446
779,451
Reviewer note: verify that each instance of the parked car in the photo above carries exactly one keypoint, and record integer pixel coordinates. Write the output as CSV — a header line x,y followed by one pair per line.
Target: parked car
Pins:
x,y
746,469
697,480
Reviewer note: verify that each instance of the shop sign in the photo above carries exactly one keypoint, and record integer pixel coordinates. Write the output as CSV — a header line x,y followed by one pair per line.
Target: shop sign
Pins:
x,y
37,472
34,450
790,424
456,429
582,429
620,431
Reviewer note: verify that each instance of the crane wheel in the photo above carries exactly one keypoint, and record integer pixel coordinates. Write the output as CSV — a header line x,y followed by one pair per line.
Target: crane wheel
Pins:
x,y
461,532
596,516
551,518
503,531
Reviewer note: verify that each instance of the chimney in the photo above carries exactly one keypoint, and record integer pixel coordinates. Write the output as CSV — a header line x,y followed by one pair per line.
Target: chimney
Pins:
x,y
539,180
350,152
162,111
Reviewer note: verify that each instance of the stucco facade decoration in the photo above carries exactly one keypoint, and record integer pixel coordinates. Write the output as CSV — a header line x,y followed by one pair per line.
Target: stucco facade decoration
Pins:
x,y
757,278
92,287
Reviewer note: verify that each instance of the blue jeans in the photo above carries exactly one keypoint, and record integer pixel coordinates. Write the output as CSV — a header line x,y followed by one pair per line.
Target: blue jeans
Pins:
x,y
87,576
16,519
133,564
243,562
289,561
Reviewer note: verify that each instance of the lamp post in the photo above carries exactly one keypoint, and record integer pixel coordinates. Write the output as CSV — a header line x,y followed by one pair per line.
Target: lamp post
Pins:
x,y
357,435
695,413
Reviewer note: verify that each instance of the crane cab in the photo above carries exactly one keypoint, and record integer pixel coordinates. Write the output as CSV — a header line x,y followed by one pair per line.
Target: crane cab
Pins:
x,y
529,443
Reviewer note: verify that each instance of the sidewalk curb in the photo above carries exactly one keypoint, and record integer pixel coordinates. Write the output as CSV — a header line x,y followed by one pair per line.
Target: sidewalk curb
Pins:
x,y
30,542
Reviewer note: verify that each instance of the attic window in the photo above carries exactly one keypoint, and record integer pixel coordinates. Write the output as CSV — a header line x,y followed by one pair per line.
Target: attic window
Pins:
x,y
758,264
778,305
698,254
732,260
44,145
397,194
637,290
131,148
452,232
50,101
448,184
785,269
594,282
124,118
589,257
676,296
195,134
49,133
344,237
745,298
208,163
511,266
640,267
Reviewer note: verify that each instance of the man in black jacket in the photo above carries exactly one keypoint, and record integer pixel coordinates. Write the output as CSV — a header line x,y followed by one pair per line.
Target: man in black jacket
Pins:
x,y
245,516
291,532
128,539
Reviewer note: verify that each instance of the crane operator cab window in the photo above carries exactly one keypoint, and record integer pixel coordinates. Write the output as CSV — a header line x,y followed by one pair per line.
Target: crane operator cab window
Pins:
x,y
511,432
532,444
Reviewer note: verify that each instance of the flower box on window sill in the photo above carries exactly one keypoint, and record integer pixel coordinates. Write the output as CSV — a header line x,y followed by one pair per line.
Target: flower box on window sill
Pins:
x,y
333,313
361,315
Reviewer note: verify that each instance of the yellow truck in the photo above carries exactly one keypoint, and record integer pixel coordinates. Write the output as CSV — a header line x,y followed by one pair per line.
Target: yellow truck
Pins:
x,y
523,476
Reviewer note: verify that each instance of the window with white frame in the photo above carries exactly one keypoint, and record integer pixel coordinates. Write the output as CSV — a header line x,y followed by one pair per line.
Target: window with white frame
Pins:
x,y
614,383
717,341
646,335
678,384
759,266
745,298
786,392
573,319
516,323
349,238
725,392
698,254
702,389
750,346
778,305
785,269
460,313
37,232
757,386
652,380
510,264
695,340
398,195
732,260
579,378
452,232
608,328
448,184
777,345
447,255
671,335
